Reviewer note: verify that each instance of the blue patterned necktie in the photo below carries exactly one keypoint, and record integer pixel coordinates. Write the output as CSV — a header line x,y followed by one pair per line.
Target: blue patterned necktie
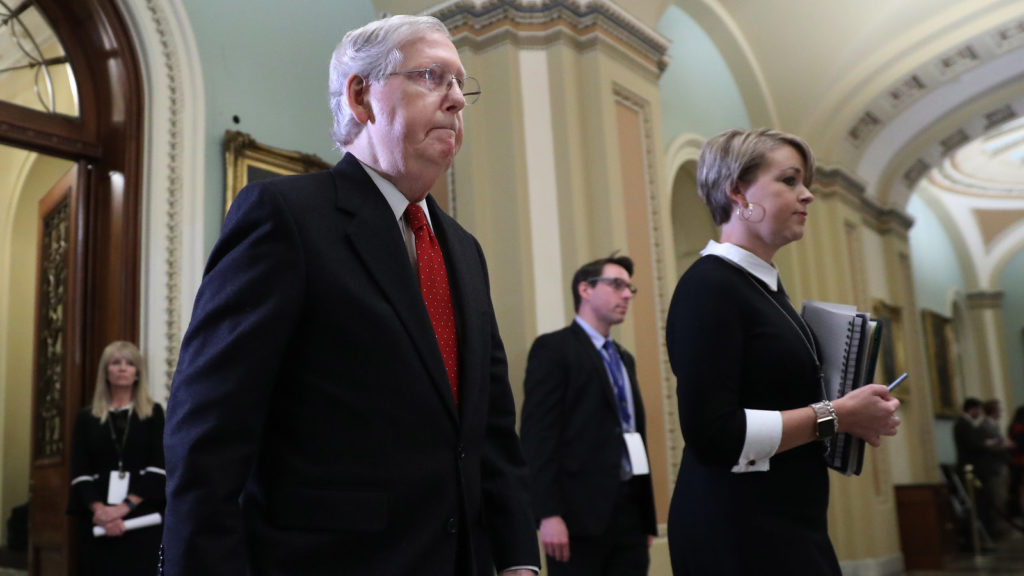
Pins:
x,y
611,359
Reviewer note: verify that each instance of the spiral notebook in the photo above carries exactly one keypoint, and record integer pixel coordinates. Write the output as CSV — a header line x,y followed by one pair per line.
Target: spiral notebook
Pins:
x,y
849,342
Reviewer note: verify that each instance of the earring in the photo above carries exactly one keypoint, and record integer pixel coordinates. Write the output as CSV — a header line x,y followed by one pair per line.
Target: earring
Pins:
x,y
748,212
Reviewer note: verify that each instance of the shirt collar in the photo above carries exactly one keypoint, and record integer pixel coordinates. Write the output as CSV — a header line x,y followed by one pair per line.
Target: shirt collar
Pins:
x,y
595,336
396,199
746,260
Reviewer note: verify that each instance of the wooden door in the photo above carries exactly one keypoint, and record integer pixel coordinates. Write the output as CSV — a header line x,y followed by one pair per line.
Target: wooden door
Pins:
x,y
57,376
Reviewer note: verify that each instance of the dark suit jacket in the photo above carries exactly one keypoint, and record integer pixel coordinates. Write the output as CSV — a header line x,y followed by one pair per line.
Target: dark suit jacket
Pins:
x,y
310,427
969,443
572,437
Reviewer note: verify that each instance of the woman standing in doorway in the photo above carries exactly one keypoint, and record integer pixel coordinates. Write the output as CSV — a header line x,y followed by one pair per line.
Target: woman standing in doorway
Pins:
x,y
117,468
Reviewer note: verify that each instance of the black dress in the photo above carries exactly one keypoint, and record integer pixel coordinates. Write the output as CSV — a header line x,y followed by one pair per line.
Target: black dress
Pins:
x,y
732,348
93,456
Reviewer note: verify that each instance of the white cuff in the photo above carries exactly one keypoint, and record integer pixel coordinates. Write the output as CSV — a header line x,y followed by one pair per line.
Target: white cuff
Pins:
x,y
764,433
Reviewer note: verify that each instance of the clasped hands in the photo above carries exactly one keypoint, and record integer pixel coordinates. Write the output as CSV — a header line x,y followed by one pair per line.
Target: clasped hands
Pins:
x,y
868,412
110,518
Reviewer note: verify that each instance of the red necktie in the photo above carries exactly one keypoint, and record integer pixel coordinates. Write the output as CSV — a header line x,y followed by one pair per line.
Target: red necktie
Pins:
x,y
436,294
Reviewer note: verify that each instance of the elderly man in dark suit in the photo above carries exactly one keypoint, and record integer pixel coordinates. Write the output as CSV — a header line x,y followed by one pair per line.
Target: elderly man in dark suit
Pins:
x,y
341,404
583,431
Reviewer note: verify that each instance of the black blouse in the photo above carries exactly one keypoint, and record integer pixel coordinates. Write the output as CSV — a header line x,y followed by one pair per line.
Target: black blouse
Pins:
x,y
94,455
734,344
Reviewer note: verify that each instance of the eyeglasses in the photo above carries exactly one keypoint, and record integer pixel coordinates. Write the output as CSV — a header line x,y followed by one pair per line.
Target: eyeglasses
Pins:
x,y
439,79
617,284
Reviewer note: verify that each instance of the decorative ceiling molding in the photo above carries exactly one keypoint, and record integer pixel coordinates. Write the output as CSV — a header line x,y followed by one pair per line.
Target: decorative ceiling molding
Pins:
x,y
835,177
984,299
954,140
482,24
938,154
833,180
930,75
953,175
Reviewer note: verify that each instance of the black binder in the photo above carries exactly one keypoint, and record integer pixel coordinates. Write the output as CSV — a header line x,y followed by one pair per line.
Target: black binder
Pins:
x,y
849,342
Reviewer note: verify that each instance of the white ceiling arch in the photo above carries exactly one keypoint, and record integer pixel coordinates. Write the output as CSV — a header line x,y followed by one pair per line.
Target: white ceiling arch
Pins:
x,y
716,19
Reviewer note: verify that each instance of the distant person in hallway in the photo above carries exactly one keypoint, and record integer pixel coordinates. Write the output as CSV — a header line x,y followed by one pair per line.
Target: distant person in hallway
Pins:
x,y
996,460
974,448
752,491
341,403
966,438
583,421
1015,433
117,468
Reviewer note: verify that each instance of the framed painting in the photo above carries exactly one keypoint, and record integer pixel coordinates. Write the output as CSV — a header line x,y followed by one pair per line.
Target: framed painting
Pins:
x,y
246,160
938,339
891,361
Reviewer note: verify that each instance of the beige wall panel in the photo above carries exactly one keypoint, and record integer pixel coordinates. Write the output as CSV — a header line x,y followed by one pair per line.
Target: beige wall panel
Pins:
x,y
984,312
491,200
609,199
550,298
917,412
874,262
646,322
862,515
570,116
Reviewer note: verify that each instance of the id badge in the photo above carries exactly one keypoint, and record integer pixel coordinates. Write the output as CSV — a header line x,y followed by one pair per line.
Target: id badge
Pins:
x,y
117,489
637,453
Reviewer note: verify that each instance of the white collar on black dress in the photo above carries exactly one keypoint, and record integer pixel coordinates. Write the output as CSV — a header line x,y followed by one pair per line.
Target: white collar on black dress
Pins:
x,y
762,270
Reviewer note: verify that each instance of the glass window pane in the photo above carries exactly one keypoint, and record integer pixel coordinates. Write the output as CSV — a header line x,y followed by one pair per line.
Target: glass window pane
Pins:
x,y
34,71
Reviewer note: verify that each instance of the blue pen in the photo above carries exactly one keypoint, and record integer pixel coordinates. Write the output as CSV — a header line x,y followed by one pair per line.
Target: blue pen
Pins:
x,y
897,382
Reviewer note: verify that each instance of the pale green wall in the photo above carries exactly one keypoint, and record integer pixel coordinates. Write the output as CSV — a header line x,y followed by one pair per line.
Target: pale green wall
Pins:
x,y
936,276
1011,281
266,62
936,272
698,92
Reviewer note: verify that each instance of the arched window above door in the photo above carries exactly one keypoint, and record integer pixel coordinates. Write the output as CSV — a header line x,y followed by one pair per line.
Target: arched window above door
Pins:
x,y
35,71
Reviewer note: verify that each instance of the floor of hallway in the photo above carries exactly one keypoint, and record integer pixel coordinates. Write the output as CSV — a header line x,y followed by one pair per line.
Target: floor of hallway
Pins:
x,y
1007,558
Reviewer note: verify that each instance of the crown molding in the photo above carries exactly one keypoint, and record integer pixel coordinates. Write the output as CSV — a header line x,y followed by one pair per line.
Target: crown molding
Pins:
x,y
834,180
485,23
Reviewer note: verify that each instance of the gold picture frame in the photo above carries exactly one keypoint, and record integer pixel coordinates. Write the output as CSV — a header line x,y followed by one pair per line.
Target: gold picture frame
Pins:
x,y
247,160
938,338
891,359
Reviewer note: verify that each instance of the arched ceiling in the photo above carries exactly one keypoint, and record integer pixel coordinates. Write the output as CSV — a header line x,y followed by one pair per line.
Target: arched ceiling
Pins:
x,y
912,97
903,95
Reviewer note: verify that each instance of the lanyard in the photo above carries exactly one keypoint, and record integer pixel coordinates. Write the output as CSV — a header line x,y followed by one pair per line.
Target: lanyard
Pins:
x,y
808,343
124,440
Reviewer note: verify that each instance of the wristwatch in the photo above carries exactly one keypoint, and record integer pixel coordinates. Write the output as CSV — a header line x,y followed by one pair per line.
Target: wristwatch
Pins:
x,y
827,421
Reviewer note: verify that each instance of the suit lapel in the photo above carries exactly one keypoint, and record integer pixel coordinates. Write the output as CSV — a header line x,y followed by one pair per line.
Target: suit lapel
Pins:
x,y
376,239
597,360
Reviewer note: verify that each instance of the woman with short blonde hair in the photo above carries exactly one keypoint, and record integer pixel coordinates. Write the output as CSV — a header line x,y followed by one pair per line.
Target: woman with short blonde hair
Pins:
x,y
751,495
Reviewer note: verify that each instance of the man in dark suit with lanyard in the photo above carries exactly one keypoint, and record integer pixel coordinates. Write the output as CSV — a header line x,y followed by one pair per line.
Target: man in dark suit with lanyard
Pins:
x,y
583,433
341,403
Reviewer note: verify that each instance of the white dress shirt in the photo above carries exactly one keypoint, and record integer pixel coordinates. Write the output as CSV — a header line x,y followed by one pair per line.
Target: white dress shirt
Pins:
x,y
399,203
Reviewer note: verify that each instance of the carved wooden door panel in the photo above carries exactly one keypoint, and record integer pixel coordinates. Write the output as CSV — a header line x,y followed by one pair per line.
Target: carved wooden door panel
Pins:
x,y
57,381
